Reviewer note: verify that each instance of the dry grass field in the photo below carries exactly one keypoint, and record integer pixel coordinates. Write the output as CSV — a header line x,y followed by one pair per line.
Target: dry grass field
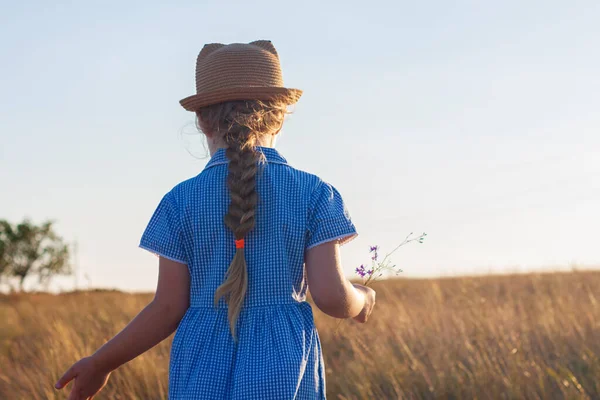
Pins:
x,y
498,337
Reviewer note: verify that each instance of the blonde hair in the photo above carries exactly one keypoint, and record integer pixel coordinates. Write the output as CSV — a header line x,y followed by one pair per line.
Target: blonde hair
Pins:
x,y
241,123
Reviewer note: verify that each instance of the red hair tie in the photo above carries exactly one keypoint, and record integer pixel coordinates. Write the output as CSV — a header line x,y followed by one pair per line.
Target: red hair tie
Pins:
x,y
239,244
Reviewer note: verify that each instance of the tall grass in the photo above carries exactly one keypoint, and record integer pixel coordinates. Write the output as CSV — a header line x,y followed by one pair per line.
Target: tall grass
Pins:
x,y
498,337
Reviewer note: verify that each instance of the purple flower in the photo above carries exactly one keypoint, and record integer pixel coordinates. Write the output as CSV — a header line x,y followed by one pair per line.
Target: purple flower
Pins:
x,y
361,271
373,249
370,272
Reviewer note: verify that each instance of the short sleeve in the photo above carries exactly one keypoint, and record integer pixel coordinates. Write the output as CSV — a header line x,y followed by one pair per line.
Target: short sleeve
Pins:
x,y
329,218
163,235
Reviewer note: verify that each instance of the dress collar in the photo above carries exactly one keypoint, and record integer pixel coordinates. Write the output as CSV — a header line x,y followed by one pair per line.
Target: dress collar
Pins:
x,y
272,157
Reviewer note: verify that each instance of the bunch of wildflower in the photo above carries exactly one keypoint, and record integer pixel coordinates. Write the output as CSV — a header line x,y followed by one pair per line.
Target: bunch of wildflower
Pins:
x,y
379,267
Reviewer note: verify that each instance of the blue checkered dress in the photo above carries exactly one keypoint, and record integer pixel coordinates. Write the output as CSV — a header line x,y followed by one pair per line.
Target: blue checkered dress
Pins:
x,y
278,355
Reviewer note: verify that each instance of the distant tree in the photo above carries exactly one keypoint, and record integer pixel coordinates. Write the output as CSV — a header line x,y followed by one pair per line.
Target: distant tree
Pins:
x,y
29,250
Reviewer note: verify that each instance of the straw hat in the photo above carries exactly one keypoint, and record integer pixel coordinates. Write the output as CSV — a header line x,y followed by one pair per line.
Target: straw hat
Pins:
x,y
238,71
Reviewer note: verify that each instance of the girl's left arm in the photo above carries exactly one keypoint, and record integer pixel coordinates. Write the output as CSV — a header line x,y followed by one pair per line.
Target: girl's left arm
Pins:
x,y
152,325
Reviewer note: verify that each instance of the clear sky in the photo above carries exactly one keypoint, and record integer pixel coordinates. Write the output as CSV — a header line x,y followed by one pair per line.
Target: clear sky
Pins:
x,y
476,122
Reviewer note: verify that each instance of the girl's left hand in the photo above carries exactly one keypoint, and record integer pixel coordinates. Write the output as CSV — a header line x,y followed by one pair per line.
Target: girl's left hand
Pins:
x,y
89,379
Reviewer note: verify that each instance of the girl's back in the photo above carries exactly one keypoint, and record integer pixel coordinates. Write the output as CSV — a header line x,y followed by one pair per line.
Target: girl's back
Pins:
x,y
296,211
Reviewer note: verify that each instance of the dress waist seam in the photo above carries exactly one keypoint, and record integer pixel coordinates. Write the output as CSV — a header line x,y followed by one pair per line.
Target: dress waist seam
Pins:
x,y
253,306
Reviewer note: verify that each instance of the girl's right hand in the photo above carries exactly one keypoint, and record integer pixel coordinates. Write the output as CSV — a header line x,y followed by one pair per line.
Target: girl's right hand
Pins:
x,y
369,303
88,379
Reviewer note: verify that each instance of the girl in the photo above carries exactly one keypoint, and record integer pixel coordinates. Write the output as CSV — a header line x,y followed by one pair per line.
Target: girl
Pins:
x,y
238,247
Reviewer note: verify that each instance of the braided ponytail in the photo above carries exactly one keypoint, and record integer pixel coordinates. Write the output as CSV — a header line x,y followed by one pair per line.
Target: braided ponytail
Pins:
x,y
243,123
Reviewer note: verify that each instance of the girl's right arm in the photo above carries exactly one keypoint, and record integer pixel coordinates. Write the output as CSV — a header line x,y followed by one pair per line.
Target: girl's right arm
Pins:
x,y
152,325
331,291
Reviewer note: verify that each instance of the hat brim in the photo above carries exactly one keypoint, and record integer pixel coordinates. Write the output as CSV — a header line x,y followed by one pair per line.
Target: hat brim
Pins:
x,y
194,102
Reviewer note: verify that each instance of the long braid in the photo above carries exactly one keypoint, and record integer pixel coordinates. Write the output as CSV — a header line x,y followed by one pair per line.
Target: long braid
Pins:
x,y
240,219
243,122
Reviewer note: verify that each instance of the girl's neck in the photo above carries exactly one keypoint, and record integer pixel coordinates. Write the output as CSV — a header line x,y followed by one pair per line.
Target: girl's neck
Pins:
x,y
215,144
